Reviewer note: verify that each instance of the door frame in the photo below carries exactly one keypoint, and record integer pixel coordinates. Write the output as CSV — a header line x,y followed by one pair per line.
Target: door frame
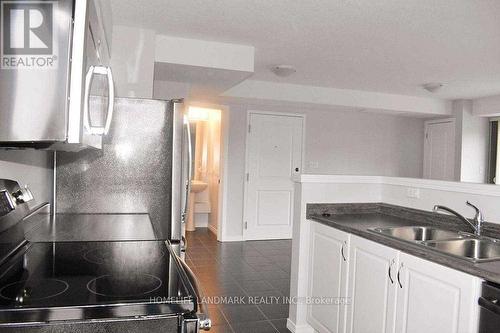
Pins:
x,y
223,166
427,123
245,183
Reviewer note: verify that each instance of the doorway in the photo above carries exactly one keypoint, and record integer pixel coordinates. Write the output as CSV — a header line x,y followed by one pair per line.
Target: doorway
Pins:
x,y
204,210
274,151
439,149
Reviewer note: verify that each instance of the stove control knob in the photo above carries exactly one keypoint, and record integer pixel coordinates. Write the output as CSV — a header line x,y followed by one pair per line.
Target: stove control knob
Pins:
x,y
19,300
25,294
23,195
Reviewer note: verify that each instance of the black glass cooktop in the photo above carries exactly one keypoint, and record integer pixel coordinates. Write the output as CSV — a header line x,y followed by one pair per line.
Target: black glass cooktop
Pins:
x,y
91,227
91,280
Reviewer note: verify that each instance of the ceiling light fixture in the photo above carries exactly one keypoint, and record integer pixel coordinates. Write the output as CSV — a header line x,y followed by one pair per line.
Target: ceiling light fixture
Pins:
x,y
432,87
283,70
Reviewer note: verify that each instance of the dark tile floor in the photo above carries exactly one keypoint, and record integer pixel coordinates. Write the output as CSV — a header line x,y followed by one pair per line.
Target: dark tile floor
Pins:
x,y
244,283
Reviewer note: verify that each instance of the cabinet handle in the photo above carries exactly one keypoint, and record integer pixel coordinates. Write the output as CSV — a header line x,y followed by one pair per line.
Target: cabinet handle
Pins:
x,y
390,270
399,271
342,251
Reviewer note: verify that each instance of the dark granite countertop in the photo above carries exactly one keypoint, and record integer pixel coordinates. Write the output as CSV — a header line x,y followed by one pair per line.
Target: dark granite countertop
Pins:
x,y
358,218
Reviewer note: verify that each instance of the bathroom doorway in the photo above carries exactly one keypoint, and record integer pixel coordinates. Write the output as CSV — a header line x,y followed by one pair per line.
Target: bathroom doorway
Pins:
x,y
205,196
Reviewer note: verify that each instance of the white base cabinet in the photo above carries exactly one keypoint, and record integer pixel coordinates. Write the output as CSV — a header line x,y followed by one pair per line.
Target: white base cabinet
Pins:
x,y
389,291
327,278
371,287
435,299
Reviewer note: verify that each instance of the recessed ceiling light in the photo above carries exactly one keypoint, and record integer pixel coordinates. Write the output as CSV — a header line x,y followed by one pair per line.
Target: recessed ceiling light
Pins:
x,y
283,70
432,87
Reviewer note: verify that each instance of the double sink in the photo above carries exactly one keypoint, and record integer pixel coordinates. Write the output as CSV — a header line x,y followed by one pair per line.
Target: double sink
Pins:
x,y
454,243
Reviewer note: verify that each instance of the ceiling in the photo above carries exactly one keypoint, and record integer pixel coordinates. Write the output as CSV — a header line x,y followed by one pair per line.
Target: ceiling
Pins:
x,y
389,46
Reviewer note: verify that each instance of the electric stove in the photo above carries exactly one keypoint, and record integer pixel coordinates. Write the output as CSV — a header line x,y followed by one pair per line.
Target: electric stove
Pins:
x,y
63,281
90,272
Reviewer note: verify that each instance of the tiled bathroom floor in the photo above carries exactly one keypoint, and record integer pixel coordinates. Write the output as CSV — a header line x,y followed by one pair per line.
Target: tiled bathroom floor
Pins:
x,y
249,278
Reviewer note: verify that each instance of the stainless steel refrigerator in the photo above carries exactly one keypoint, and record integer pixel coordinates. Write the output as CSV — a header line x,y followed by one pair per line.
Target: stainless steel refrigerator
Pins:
x,y
143,168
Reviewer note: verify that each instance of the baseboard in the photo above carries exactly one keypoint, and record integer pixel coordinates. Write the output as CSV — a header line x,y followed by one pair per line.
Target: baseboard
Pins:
x,y
291,325
231,239
298,329
267,238
213,229
242,239
200,220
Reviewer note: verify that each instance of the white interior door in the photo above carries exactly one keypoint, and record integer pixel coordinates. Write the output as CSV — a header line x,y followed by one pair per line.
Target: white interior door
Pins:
x,y
274,155
439,150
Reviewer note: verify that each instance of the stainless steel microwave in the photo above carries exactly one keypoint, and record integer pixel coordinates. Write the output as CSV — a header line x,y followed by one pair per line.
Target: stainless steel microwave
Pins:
x,y
56,84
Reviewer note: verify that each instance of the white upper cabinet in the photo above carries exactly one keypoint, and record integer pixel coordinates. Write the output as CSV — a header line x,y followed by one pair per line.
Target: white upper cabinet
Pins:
x,y
328,277
372,277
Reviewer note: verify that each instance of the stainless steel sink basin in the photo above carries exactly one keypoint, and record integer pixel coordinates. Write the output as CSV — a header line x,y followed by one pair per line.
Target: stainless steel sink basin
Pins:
x,y
460,245
418,233
477,250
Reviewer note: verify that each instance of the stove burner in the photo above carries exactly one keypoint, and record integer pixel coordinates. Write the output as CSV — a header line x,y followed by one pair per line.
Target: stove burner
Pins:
x,y
124,286
36,289
96,256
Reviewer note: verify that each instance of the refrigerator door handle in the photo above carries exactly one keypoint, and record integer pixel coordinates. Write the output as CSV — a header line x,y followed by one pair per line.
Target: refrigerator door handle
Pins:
x,y
189,170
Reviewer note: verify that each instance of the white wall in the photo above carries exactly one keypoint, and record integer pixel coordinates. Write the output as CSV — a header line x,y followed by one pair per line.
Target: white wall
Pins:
x,y
472,143
393,190
132,60
30,167
213,166
341,142
396,194
296,93
202,53
475,147
235,173
487,106
364,144
170,90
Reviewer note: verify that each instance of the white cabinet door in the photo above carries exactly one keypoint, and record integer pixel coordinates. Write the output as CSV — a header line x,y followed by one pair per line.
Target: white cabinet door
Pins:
x,y
435,299
372,287
327,278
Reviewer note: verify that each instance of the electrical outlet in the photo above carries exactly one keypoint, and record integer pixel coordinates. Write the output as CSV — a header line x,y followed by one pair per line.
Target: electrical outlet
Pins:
x,y
412,192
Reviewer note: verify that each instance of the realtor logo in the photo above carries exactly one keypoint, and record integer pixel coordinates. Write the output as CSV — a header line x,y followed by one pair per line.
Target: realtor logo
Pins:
x,y
27,34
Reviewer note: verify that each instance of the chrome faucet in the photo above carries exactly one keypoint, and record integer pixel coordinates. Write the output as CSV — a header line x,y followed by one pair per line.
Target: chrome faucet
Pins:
x,y
477,221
